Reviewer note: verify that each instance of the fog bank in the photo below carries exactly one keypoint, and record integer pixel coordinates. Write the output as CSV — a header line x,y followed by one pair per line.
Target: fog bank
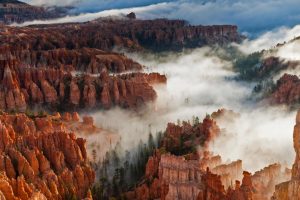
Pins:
x,y
198,84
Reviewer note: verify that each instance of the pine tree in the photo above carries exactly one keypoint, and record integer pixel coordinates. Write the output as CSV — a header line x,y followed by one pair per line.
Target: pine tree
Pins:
x,y
151,143
197,121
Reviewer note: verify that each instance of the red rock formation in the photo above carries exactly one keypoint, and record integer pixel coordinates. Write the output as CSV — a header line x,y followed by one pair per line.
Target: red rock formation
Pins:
x,y
39,159
180,139
290,190
203,176
57,89
105,34
287,90
86,60
264,181
244,191
13,11
229,172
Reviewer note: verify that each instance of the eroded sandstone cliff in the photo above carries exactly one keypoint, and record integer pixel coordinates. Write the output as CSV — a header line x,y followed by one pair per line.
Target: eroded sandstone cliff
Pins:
x,y
42,159
287,90
197,173
26,87
106,34
13,11
290,190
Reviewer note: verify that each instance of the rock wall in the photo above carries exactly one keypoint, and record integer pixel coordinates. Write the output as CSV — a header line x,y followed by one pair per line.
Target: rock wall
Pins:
x,y
287,90
106,34
60,90
40,159
201,175
290,190
87,60
17,12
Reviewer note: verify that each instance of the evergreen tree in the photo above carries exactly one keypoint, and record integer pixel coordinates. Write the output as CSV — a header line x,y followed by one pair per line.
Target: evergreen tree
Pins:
x,y
151,143
197,121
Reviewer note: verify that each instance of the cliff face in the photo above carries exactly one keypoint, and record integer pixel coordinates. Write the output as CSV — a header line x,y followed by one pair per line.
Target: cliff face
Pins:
x,y
287,90
72,66
290,190
195,175
40,159
106,34
200,175
58,89
181,140
12,11
88,60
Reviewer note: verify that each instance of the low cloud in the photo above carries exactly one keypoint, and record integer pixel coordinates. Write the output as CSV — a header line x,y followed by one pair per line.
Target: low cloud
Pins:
x,y
200,83
85,17
83,6
252,17
290,51
270,39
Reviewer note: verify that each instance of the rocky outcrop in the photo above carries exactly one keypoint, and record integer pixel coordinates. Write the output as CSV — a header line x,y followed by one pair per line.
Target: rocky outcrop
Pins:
x,y
264,181
83,60
287,90
200,175
290,190
41,160
13,11
229,172
180,140
106,34
60,90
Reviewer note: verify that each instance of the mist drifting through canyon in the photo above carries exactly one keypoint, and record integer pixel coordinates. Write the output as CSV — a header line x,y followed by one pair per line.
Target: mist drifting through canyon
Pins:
x,y
151,99
199,83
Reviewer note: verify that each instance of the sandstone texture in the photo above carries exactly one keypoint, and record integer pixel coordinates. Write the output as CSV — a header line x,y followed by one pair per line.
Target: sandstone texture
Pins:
x,y
56,89
41,159
290,190
106,34
287,90
178,171
13,11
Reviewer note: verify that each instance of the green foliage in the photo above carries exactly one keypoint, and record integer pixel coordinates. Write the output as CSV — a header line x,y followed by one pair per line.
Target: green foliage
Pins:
x,y
29,113
248,66
70,196
207,116
196,121
42,113
121,170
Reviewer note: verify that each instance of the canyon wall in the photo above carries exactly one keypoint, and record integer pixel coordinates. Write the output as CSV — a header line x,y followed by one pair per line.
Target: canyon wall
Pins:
x,y
56,89
106,34
41,159
13,11
287,90
178,171
290,190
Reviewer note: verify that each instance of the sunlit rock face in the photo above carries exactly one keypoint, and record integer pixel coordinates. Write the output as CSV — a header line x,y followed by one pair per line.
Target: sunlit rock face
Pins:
x,y
24,87
290,190
41,159
287,90
202,175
